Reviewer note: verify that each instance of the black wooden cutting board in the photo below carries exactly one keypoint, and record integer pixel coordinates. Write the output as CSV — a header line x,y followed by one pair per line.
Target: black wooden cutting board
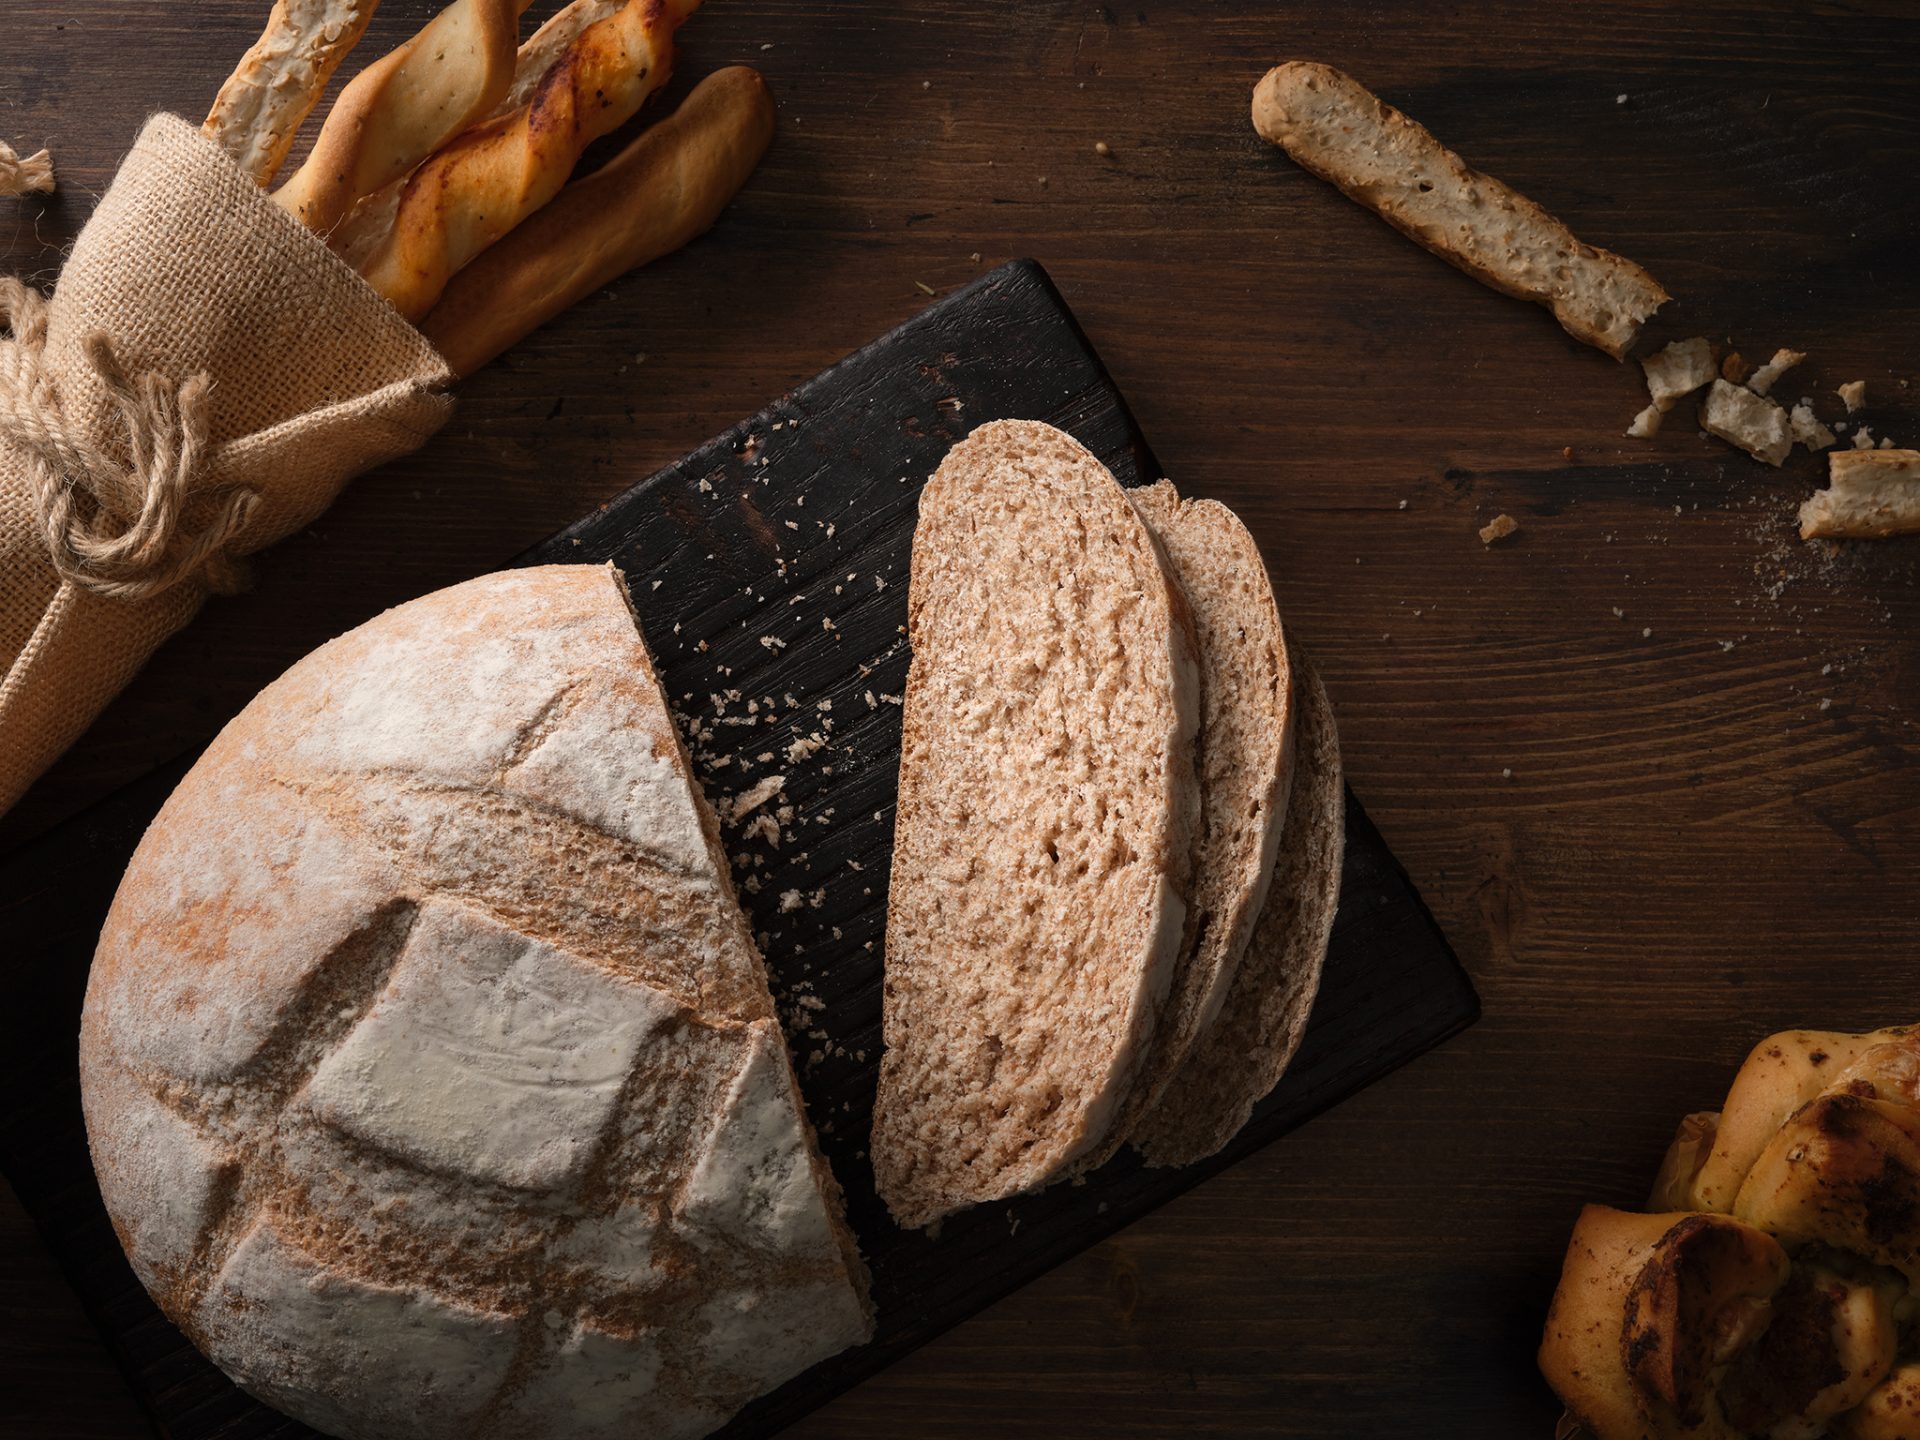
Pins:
x,y
769,570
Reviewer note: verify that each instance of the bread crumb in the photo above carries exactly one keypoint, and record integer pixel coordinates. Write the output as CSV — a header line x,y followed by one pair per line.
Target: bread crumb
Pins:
x,y
790,900
1854,395
1761,381
1863,438
748,801
1102,149
1678,370
1733,368
1646,424
1498,528
1742,418
1807,429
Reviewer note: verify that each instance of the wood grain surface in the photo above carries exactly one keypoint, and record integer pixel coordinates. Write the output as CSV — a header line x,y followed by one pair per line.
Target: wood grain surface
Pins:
x,y
1650,761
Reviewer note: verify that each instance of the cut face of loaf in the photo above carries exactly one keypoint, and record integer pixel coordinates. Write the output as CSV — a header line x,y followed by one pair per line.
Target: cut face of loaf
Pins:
x,y
430,1071
1243,1054
1043,836
1243,757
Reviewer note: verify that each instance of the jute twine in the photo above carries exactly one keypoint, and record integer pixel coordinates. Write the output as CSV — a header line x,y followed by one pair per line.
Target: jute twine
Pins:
x,y
23,177
119,527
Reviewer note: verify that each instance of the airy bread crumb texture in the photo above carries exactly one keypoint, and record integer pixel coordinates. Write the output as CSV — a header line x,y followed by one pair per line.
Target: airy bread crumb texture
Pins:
x,y
1761,381
1043,836
1678,370
1336,128
1871,494
1742,418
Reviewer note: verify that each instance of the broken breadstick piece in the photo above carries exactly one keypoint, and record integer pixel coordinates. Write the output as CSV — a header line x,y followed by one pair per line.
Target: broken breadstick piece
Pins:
x,y
1854,395
1761,381
1871,494
405,106
1740,417
277,83
1806,427
488,181
1336,128
1678,370
666,187
1646,424
1498,528
33,175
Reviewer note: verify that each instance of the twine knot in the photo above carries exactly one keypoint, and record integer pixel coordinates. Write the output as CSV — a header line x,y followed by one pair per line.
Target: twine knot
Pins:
x,y
119,527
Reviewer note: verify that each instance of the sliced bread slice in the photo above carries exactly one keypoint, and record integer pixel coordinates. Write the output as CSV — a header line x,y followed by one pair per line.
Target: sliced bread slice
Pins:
x,y
1243,1054
1044,832
1243,758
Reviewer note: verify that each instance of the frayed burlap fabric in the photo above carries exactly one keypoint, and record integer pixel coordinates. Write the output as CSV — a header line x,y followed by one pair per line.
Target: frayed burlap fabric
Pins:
x,y
204,379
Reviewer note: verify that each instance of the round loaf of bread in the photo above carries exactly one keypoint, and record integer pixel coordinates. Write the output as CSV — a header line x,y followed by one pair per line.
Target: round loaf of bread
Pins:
x,y
429,1067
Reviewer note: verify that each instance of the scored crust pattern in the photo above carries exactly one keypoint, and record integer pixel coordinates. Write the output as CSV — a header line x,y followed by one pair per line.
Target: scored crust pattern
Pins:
x,y
431,1076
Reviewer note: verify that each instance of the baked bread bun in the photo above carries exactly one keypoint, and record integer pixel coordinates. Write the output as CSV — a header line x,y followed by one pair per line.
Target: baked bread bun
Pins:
x,y
431,1075
1243,757
1241,1056
1777,1307
1044,831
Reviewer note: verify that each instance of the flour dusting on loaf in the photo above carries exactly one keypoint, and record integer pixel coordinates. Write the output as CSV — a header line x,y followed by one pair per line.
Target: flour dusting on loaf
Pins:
x,y
429,1066
1043,835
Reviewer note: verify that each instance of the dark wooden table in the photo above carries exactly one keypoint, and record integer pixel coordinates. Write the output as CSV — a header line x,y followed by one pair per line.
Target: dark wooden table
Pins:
x,y
1652,761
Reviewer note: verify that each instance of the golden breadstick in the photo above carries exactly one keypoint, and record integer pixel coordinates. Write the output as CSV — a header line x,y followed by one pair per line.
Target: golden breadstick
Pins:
x,y
404,106
548,44
485,183
665,188
370,221
277,83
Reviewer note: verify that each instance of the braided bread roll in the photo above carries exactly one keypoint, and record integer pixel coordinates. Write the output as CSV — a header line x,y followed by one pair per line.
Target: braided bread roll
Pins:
x,y
481,186
405,106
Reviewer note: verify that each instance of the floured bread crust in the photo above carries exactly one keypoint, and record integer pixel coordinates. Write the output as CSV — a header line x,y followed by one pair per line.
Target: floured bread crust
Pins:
x,y
1336,128
1244,761
1242,1056
429,1067
1042,842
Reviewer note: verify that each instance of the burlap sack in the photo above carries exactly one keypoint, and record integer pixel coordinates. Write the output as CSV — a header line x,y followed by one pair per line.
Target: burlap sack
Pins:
x,y
205,378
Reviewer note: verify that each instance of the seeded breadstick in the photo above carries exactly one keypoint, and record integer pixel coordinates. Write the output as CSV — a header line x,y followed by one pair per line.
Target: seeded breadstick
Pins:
x,y
481,186
405,106
1335,128
277,83
666,187
1872,494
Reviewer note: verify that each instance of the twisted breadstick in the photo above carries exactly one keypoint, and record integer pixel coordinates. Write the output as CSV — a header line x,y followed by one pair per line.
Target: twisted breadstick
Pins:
x,y
366,227
406,105
546,45
277,83
481,186
662,190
